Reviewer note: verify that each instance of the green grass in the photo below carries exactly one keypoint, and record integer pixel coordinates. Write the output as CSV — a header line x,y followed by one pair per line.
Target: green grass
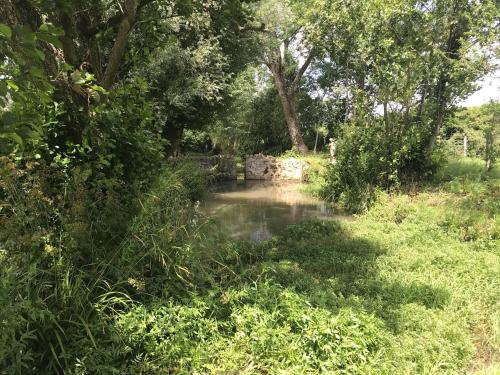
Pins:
x,y
411,287
470,168
317,164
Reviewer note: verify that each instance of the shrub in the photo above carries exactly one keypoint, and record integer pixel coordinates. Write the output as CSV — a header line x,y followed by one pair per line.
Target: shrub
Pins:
x,y
70,244
368,160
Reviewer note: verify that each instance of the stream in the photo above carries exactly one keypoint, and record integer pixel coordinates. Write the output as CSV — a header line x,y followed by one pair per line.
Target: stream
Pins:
x,y
258,210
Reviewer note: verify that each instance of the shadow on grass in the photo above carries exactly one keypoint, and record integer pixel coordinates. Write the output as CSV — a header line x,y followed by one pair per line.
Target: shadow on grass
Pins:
x,y
331,269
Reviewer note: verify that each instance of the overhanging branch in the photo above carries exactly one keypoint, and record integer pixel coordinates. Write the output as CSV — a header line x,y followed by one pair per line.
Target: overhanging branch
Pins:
x,y
118,49
302,70
114,20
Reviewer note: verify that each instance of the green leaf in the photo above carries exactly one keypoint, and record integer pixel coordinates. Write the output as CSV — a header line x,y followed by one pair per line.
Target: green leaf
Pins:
x,y
13,137
5,31
66,67
95,95
76,76
49,38
51,29
40,55
36,72
26,36
3,88
12,85
98,89
31,54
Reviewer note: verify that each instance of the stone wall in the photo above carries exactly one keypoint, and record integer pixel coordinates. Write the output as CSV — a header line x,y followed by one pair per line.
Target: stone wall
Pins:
x,y
219,167
262,167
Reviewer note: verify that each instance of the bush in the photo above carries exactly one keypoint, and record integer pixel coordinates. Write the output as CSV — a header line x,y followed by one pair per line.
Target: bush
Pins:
x,y
367,160
193,179
71,245
156,249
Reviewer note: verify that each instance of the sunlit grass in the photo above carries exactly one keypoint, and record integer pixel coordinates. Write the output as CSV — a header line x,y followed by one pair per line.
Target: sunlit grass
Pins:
x,y
411,287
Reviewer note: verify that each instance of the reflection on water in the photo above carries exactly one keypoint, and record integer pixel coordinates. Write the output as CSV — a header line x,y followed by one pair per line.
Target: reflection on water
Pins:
x,y
257,210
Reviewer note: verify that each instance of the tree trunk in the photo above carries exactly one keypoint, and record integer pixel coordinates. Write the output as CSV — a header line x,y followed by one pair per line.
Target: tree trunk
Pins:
x,y
67,40
316,141
387,122
435,130
489,150
466,145
120,44
333,151
173,134
421,104
442,93
288,102
441,98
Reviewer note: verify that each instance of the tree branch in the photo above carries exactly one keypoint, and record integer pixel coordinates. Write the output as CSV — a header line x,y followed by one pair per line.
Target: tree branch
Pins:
x,y
118,49
114,20
294,33
302,70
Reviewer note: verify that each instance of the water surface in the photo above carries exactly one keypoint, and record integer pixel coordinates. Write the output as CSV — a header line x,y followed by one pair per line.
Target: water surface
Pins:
x,y
258,210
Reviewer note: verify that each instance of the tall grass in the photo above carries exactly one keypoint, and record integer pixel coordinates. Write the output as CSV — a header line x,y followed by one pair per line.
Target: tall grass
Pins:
x,y
410,287
402,289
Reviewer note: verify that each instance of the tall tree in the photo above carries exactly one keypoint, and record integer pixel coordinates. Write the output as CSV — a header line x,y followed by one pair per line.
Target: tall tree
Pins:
x,y
282,33
460,33
83,44
102,43
192,65
410,61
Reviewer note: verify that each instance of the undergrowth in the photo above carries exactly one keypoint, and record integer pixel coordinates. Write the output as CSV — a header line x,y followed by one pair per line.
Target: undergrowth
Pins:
x,y
410,287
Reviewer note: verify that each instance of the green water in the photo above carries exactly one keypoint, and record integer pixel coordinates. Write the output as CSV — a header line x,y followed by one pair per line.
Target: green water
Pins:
x,y
258,210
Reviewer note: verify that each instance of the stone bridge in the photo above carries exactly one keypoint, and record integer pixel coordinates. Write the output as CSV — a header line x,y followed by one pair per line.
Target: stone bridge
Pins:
x,y
257,167
262,167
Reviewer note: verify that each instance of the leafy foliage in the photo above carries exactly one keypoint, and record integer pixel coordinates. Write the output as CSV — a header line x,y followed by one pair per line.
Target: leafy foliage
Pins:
x,y
363,296
475,123
366,160
106,264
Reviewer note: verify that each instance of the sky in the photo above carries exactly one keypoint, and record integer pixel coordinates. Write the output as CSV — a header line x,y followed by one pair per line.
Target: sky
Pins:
x,y
490,90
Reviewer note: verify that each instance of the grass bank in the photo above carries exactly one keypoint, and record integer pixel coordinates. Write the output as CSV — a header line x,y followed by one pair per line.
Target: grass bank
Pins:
x,y
410,287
